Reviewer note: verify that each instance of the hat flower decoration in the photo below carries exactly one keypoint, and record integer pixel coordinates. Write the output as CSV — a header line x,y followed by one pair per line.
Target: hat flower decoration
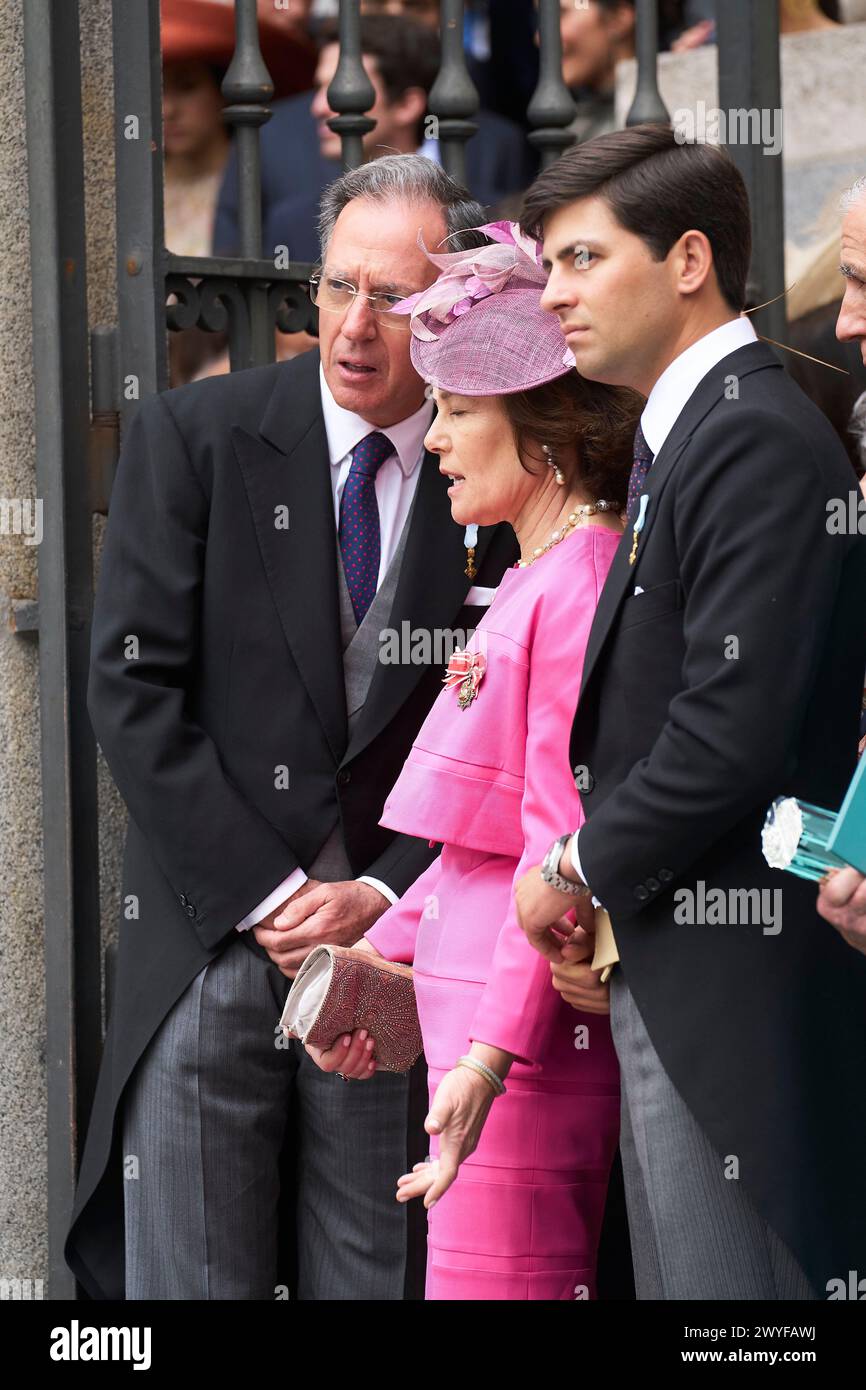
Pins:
x,y
467,277
479,329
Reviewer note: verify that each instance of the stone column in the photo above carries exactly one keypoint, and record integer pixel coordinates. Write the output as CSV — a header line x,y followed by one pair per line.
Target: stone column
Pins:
x,y
23,1173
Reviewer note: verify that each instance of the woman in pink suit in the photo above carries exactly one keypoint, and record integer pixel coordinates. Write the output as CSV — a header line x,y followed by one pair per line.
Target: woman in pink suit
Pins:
x,y
518,1173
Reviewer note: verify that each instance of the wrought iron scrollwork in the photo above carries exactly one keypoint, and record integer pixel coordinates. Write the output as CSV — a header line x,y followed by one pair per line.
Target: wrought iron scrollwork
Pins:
x,y
291,309
220,302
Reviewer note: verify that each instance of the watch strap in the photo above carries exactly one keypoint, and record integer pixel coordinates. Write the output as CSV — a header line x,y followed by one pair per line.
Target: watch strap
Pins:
x,y
550,870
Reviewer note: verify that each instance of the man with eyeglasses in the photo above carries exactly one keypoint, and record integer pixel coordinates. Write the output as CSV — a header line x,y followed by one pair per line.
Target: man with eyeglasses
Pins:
x,y
267,530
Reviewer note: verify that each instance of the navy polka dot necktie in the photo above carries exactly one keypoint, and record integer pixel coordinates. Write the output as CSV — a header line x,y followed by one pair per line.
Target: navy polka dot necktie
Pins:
x,y
360,544
643,457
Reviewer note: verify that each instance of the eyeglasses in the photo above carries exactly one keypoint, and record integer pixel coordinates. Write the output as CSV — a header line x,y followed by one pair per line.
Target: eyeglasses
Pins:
x,y
336,296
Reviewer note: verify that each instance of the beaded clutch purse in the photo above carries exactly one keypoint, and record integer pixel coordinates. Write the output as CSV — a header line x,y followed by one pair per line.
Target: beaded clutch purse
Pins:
x,y
338,989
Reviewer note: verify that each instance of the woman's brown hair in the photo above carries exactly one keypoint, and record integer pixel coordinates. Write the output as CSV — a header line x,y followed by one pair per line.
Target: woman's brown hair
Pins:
x,y
597,420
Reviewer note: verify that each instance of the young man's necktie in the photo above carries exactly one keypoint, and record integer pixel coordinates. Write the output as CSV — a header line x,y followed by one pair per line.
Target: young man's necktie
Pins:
x,y
643,457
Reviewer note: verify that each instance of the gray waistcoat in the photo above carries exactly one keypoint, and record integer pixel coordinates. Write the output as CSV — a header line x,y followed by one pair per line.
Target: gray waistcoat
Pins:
x,y
361,647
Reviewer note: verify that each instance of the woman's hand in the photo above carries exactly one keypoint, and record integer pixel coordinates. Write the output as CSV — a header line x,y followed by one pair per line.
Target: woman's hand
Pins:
x,y
352,1055
460,1107
419,1181
580,986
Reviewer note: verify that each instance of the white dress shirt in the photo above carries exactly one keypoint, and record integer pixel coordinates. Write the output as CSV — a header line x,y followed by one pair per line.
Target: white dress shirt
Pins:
x,y
665,404
396,482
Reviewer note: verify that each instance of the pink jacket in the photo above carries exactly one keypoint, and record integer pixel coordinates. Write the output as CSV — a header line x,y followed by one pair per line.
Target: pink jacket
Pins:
x,y
495,776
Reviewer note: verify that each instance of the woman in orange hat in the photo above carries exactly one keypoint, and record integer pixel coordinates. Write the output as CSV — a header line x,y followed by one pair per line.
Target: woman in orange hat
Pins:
x,y
197,41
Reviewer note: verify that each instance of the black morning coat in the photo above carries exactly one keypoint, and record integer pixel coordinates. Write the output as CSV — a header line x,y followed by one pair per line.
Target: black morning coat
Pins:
x,y
736,677
238,672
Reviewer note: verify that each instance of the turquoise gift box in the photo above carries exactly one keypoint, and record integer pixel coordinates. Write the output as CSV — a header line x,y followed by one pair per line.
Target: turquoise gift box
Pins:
x,y
809,840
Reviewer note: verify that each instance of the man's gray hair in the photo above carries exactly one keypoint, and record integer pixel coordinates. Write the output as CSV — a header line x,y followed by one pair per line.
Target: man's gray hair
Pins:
x,y
404,178
853,195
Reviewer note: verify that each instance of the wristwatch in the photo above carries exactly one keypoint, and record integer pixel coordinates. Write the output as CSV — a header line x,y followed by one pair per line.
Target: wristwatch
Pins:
x,y
550,870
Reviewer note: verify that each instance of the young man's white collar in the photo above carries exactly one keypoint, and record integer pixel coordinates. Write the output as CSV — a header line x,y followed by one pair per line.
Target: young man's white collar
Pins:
x,y
678,381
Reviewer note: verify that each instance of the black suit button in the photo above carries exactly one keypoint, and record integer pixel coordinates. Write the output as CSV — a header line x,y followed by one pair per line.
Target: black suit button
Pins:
x,y
641,892
653,885
183,899
666,875
190,910
343,776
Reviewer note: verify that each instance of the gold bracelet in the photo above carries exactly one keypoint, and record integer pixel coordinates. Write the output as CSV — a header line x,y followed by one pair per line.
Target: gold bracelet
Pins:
x,y
483,1070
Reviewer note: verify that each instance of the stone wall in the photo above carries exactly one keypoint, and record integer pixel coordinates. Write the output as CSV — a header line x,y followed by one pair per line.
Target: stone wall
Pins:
x,y
823,133
23,1177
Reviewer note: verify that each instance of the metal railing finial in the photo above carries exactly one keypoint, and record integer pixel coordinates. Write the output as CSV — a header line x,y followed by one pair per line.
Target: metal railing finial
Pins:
x,y
351,91
552,108
647,104
453,97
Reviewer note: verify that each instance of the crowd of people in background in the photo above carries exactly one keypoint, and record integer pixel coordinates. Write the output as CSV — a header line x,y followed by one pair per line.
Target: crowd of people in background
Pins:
x,y
301,155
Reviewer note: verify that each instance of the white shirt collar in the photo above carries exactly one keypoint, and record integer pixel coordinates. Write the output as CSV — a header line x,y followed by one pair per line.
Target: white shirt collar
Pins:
x,y
679,381
345,429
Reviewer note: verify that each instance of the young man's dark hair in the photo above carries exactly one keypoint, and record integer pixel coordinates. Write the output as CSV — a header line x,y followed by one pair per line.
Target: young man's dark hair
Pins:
x,y
658,189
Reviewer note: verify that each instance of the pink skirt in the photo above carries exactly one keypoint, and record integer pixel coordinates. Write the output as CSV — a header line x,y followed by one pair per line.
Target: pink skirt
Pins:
x,y
523,1218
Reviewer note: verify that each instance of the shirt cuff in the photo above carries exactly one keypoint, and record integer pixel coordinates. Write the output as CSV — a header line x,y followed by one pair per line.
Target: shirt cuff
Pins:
x,y
382,887
574,856
296,879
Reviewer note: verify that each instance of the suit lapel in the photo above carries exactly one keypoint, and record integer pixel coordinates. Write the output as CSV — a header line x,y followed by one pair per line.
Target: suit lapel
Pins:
x,y
431,590
621,574
751,358
286,466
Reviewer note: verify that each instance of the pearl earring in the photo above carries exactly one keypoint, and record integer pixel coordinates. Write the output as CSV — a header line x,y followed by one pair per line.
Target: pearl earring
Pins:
x,y
557,473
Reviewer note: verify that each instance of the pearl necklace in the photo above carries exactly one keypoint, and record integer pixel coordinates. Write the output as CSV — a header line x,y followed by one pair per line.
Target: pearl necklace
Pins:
x,y
574,519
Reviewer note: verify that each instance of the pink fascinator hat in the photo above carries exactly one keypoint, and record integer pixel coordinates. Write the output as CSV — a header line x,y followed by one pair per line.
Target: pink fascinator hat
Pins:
x,y
479,329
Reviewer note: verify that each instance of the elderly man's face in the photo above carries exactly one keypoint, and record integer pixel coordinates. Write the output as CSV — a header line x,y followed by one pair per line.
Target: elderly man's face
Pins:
x,y
365,359
851,325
